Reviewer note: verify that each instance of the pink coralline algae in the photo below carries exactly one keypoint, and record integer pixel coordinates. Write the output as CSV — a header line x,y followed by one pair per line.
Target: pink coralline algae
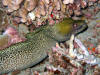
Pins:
x,y
9,37
14,35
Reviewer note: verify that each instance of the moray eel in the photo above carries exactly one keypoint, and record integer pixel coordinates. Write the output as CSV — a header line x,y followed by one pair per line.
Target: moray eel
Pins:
x,y
32,51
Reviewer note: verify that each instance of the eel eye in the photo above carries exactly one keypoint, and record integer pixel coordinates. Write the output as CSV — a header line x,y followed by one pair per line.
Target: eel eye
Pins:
x,y
76,26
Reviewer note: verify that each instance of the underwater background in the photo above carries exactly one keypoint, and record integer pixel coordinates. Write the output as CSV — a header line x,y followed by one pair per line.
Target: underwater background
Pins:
x,y
76,20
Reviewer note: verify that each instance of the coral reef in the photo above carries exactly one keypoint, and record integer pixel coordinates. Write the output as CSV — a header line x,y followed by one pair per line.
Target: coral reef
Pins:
x,y
36,12
70,58
9,37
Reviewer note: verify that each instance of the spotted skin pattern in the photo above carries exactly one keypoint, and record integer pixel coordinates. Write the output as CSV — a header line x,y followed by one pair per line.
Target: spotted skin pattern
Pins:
x,y
32,51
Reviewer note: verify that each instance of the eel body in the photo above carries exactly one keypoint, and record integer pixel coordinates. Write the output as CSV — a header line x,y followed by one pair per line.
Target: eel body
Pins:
x,y
30,52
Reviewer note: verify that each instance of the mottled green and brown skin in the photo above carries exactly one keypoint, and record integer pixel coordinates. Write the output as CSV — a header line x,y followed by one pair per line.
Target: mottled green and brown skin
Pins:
x,y
26,54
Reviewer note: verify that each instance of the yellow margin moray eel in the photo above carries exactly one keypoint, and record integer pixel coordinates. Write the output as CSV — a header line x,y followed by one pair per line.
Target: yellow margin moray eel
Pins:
x,y
32,51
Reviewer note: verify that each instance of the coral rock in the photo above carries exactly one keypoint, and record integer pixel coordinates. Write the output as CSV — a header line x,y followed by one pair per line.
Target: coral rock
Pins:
x,y
30,4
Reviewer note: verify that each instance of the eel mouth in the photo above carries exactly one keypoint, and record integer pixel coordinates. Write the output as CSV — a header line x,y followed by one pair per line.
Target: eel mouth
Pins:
x,y
79,28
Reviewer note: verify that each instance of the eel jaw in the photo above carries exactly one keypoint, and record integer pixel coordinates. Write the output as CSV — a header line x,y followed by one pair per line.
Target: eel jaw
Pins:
x,y
79,28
